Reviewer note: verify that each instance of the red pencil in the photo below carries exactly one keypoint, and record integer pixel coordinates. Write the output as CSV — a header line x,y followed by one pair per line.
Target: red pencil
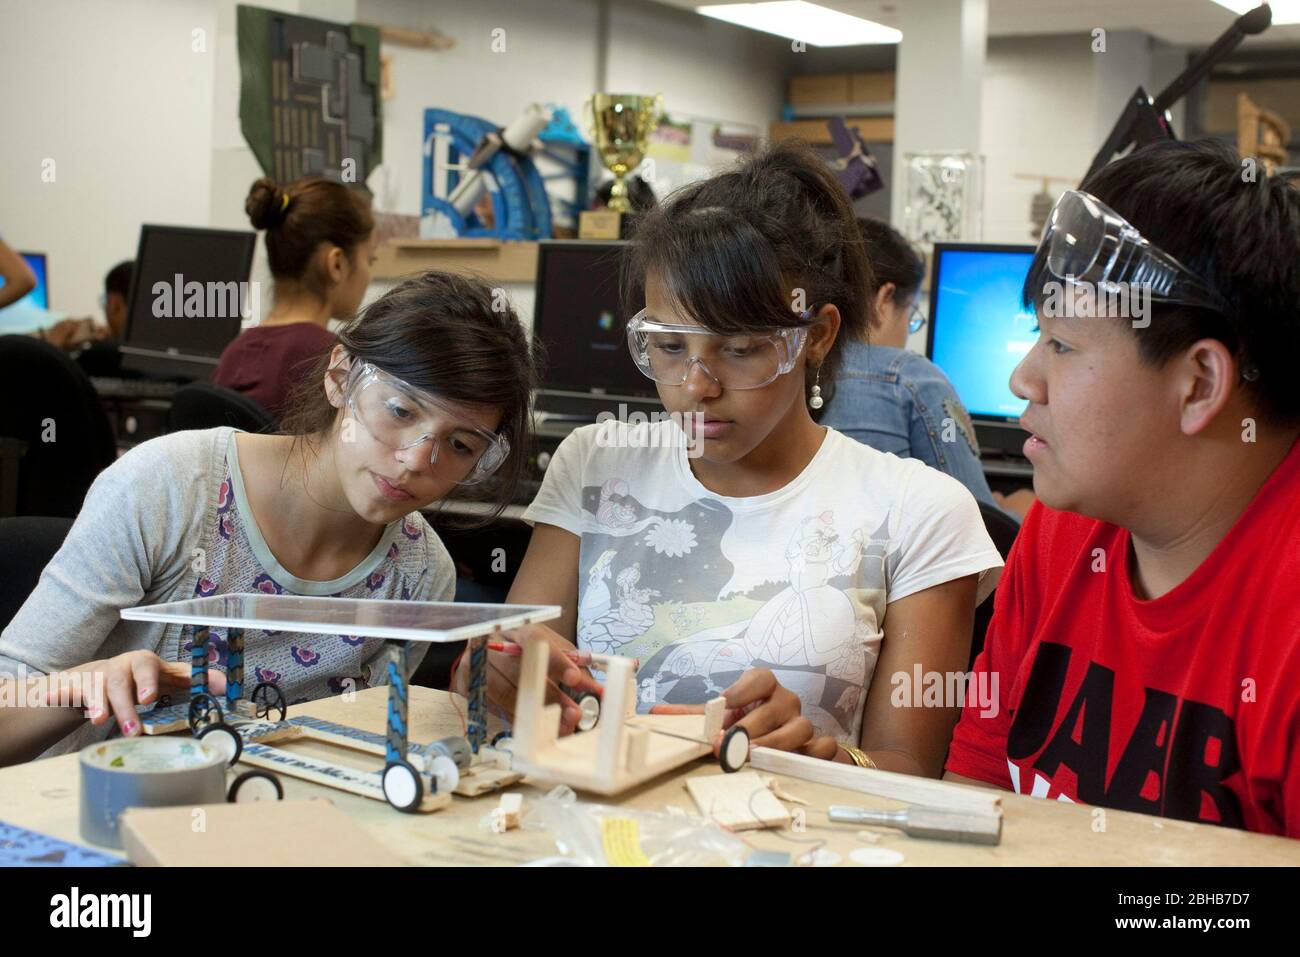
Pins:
x,y
514,650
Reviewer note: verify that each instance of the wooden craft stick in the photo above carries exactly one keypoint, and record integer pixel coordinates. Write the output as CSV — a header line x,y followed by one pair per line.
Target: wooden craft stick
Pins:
x,y
887,784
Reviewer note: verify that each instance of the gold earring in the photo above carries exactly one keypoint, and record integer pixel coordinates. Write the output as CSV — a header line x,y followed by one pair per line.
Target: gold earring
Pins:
x,y
815,401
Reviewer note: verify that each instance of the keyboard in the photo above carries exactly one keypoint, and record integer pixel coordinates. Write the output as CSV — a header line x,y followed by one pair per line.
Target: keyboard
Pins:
x,y
110,387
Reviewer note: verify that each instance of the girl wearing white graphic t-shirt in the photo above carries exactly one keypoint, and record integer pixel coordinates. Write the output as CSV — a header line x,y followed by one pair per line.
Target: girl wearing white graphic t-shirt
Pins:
x,y
742,549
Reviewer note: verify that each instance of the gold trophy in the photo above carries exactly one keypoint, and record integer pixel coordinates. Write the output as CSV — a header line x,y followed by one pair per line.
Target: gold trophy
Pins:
x,y
620,126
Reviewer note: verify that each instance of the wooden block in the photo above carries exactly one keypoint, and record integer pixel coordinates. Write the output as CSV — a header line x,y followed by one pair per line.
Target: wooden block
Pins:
x,y
714,712
485,778
823,89
739,802
888,784
257,834
638,746
874,87
509,810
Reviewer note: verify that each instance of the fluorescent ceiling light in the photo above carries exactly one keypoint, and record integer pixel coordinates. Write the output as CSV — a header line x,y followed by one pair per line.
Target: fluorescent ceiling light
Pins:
x,y
1284,11
815,25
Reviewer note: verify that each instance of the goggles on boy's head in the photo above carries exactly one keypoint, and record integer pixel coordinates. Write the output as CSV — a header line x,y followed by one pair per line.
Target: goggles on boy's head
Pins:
x,y
665,352
399,416
1087,242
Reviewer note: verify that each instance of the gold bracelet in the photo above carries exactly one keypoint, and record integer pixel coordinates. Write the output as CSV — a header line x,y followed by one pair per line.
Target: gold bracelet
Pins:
x,y
860,757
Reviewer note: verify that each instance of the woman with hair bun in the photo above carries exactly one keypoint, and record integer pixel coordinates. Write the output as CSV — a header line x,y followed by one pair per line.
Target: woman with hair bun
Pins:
x,y
320,245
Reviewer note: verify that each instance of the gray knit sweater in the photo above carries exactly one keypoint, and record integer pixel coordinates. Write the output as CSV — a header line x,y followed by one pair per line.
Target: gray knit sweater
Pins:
x,y
169,520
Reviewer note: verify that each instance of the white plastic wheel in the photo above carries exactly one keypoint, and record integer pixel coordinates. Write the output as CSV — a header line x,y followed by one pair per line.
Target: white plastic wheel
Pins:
x,y
445,772
255,786
401,786
735,750
590,706
223,739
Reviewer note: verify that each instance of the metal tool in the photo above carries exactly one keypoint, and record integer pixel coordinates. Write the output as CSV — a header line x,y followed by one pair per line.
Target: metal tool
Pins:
x,y
938,824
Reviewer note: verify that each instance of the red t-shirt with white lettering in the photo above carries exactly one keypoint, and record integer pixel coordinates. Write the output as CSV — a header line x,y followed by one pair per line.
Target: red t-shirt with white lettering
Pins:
x,y
1186,706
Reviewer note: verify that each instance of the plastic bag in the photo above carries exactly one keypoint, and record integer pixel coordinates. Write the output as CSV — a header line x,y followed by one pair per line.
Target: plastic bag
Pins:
x,y
597,835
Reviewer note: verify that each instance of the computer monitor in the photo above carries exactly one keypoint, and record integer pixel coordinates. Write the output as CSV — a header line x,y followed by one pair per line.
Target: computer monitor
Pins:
x,y
188,292
27,314
40,296
979,331
580,318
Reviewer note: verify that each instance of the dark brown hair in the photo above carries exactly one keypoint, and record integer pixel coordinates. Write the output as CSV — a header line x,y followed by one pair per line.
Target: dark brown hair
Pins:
x,y
1240,234
893,258
300,216
449,335
732,249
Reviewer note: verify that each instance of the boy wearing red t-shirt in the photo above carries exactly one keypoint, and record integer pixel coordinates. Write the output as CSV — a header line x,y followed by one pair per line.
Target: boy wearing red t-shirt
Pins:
x,y
1146,630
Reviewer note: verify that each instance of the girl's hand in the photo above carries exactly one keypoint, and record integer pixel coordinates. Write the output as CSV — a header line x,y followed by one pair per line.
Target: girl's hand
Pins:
x,y
770,713
111,688
503,675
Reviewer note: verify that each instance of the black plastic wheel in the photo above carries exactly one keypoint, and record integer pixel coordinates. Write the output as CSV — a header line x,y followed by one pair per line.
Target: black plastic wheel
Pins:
x,y
268,697
734,753
255,786
224,739
403,788
204,711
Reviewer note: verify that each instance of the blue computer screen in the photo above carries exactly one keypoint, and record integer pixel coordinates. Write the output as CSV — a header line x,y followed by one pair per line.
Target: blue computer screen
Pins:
x,y
40,295
980,331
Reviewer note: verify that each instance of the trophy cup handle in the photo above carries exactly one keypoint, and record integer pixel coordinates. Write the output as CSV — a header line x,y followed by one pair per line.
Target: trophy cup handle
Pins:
x,y
589,117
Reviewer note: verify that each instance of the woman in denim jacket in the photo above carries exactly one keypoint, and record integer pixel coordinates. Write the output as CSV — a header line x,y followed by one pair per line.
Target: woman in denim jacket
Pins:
x,y
894,400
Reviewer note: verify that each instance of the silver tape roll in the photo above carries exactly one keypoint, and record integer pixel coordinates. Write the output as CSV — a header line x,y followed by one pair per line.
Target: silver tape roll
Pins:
x,y
145,772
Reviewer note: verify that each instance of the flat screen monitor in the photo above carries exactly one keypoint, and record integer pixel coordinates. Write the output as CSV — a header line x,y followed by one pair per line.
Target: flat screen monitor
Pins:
x,y
28,313
580,318
978,329
40,296
189,292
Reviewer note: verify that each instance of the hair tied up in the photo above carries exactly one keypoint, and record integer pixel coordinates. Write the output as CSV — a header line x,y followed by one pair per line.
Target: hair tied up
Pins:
x,y
267,204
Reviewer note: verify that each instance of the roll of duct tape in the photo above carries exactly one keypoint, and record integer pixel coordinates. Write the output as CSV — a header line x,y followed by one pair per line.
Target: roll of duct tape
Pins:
x,y
145,772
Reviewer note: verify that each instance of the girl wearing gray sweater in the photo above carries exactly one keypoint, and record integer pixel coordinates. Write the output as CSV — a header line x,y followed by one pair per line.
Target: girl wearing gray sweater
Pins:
x,y
426,391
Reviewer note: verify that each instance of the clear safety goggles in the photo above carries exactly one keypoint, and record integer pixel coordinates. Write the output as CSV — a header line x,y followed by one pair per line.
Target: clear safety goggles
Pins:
x,y
915,318
1085,241
399,416
665,352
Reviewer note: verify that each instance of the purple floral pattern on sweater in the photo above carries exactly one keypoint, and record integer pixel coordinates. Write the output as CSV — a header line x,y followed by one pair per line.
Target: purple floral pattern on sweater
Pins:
x,y
305,666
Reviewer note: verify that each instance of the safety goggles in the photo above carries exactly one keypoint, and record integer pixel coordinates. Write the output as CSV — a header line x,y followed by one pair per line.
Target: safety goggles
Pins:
x,y
665,352
915,318
399,416
1087,242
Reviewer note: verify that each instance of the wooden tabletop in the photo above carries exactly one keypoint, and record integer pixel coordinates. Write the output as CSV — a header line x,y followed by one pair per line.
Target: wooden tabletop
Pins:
x,y
43,796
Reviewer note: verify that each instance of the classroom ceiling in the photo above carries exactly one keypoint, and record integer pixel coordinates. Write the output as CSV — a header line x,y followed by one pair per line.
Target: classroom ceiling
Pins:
x,y
1183,22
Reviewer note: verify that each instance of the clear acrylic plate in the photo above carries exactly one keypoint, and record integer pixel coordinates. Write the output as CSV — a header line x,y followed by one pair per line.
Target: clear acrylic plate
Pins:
x,y
434,621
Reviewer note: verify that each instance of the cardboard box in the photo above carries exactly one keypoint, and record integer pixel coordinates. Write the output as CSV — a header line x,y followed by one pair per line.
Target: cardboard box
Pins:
x,y
874,87
599,224
262,834
873,129
824,89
